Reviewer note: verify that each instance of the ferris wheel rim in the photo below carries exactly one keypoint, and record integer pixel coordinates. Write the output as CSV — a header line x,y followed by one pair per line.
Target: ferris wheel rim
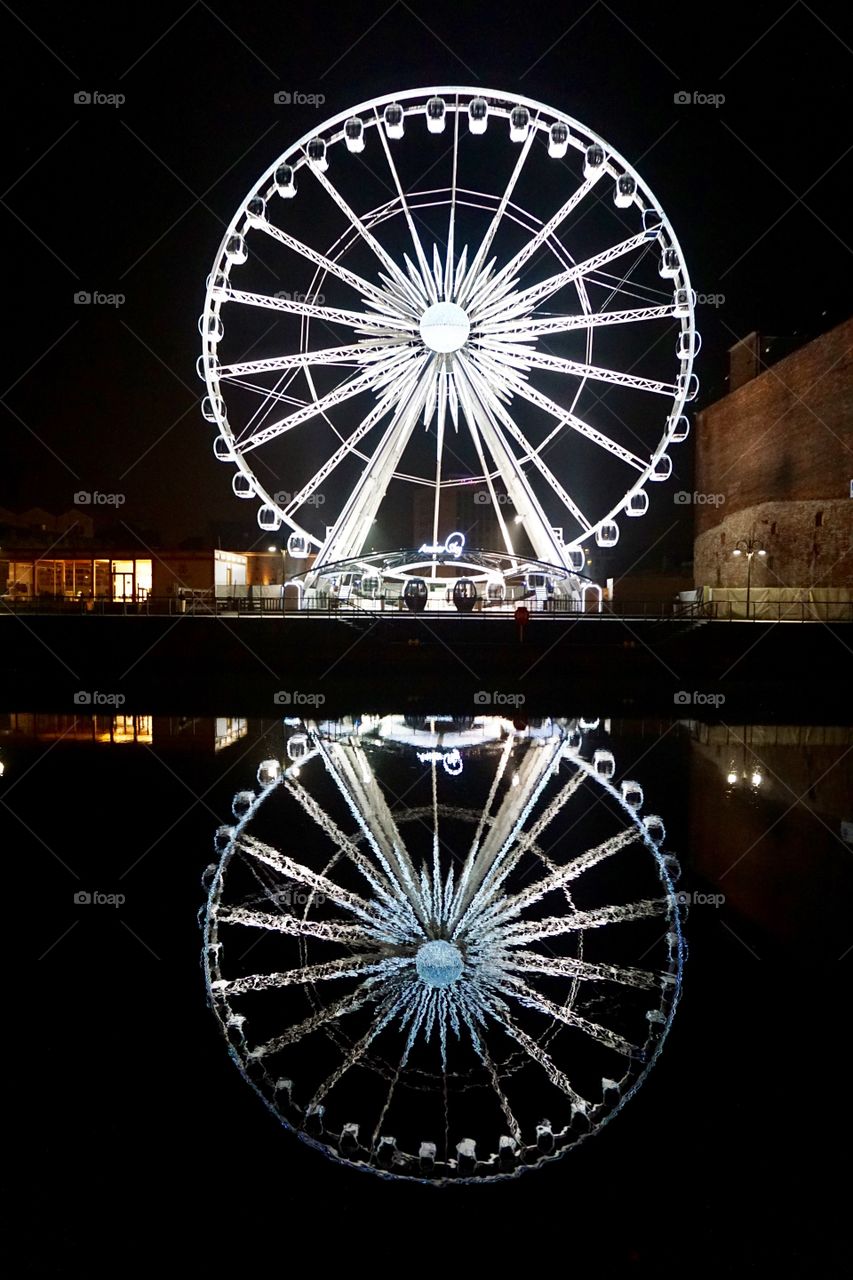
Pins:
x,y
657,1037
497,100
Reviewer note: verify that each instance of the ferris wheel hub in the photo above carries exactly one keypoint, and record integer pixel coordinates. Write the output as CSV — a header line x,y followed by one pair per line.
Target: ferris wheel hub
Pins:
x,y
445,327
438,963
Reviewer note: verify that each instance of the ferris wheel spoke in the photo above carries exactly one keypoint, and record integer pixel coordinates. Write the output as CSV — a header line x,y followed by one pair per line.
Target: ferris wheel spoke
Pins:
x,y
381,878
368,237
522,302
357,1052
530,451
273,396
327,930
525,839
474,429
531,999
527,961
451,219
365,320
367,992
344,899
345,391
357,353
346,967
577,424
543,360
483,877
536,241
343,451
508,908
368,806
416,240
525,329
486,244
503,1102
353,525
351,278
533,1050
579,921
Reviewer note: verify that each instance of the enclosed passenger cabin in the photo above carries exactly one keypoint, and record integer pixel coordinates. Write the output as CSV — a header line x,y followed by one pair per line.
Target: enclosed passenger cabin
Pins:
x,y
316,150
354,134
464,595
558,140
624,191
393,118
285,181
478,115
415,595
435,115
519,124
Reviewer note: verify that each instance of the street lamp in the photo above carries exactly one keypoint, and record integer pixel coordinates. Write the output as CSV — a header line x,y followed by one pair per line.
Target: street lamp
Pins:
x,y
749,547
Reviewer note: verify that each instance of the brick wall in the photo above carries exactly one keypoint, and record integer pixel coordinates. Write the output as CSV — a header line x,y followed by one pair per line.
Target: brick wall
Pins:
x,y
780,452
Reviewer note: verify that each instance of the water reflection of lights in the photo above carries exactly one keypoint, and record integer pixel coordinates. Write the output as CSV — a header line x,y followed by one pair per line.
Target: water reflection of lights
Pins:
x,y
446,974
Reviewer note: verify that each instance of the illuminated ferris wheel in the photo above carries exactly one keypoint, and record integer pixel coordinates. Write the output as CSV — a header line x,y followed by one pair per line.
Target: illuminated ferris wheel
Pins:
x,y
457,290
455,988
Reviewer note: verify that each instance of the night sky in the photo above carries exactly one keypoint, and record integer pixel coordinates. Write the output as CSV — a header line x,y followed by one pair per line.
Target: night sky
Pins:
x,y
132,199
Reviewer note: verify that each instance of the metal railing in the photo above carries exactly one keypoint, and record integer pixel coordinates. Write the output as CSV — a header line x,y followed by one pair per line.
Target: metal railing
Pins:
x,y
206,604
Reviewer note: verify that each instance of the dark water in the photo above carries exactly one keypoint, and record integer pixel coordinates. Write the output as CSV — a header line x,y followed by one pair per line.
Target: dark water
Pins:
x,y
137,1114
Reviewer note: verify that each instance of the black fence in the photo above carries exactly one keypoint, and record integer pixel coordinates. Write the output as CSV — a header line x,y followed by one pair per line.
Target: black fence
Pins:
x,y
205,604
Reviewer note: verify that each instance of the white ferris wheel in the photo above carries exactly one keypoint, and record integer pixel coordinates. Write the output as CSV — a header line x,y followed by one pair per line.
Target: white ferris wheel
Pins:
x,y
458,291
458,986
